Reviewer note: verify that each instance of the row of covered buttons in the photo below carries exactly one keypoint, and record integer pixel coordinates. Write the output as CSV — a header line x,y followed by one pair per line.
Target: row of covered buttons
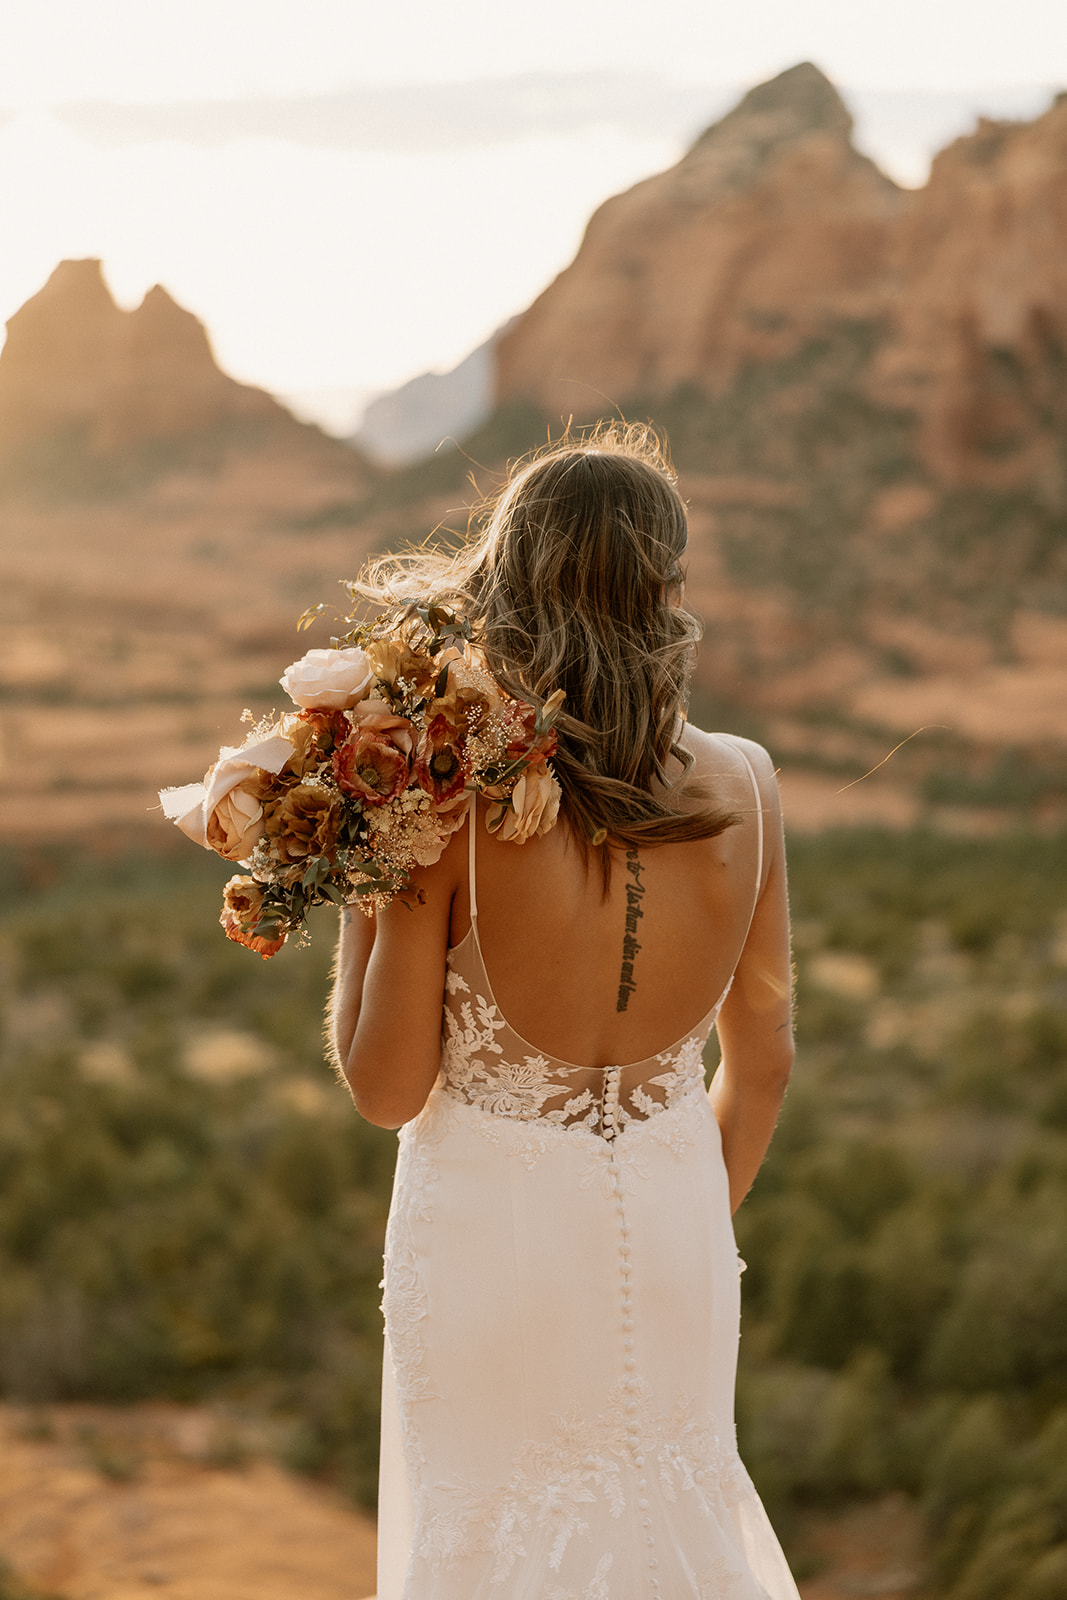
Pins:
x,y
610,1112
629,1360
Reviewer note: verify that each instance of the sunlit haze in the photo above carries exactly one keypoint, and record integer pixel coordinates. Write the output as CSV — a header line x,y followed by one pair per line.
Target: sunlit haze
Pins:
x,y
371,191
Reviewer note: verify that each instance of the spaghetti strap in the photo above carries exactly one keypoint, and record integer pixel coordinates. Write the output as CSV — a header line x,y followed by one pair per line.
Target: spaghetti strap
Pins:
x,y
759,835
472,828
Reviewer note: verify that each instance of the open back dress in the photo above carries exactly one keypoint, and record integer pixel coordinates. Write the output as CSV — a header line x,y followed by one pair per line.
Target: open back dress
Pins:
x,y
562,1309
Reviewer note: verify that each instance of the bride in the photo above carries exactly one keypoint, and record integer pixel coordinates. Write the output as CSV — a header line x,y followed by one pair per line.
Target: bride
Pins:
x,y
561,1280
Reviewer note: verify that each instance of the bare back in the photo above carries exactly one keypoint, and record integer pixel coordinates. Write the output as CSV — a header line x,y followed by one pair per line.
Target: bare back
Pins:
x,y
595,980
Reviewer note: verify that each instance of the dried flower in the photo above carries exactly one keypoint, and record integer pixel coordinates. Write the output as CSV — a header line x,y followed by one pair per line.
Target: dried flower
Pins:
x,y
301,823
242,907
314,736
371,766
440,765
532,809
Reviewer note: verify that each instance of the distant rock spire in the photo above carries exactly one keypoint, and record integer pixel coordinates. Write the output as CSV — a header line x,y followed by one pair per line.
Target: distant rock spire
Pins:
x,y
800,100
79,376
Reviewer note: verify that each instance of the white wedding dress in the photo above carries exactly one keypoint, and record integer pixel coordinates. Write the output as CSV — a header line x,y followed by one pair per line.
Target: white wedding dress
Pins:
x,y
562,1307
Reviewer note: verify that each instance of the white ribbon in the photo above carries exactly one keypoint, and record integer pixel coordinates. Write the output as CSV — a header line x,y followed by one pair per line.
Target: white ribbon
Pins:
x,y
191,806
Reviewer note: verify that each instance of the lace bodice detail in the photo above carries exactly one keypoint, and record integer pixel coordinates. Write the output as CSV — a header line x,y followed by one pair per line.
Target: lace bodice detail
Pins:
x,y
485,1063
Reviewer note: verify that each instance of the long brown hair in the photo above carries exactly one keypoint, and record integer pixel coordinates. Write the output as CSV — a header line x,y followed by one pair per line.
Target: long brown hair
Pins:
x,y
572,580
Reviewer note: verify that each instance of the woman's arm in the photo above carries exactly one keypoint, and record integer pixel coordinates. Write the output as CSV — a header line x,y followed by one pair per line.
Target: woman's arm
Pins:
x,y
354,945
756,1022
385,1012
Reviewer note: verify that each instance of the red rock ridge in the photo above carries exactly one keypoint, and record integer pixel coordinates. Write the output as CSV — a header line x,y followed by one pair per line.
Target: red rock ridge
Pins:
x,y
771,224
75,364
773,230
979,276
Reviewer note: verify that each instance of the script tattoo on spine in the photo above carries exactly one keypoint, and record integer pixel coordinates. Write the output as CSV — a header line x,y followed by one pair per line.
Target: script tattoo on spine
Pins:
x,y
634,895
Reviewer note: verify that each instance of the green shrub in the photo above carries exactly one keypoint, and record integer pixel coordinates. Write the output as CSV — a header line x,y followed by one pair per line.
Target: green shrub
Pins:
x,y
197,1236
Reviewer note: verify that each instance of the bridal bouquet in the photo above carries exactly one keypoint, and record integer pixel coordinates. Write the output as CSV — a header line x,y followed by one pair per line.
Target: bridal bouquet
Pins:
x,y
369,777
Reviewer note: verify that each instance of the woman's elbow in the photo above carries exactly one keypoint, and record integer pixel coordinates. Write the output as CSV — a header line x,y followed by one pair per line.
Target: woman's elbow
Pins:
x,y
763,1070
381,1115
382,1097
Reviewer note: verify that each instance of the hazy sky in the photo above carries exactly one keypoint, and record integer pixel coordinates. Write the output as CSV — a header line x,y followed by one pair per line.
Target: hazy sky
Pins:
x,y
376,186
170,49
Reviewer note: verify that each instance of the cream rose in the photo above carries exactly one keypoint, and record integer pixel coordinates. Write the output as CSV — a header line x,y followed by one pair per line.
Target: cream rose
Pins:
x,y
329,680
195,809
236,822
534,806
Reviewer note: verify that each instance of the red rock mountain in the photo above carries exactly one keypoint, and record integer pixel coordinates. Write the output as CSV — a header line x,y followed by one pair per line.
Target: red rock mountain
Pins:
x,y
85,384
770,224
865,389
976,285
773,231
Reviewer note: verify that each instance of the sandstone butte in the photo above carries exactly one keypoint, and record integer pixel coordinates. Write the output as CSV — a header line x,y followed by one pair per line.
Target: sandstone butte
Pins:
x,y
773,229
161,530
83,382
865,390
771,224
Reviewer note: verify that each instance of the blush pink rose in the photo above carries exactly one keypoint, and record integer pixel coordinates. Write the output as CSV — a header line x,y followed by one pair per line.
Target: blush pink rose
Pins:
x,y
534,806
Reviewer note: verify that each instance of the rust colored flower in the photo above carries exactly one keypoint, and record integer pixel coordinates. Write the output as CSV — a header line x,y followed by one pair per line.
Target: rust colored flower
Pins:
x,y
440,765
522,736
375,716
372,766
314,736
242,903
302,823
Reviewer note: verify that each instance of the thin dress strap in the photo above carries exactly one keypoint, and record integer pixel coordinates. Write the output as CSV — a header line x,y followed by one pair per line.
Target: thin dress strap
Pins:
x,y
759,835
472,829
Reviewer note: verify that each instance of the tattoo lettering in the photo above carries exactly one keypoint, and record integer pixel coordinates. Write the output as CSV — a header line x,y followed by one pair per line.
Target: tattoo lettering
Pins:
x,y
634,895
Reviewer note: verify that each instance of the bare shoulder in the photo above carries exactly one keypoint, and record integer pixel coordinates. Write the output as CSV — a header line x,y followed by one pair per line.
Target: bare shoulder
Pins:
x,y
719,756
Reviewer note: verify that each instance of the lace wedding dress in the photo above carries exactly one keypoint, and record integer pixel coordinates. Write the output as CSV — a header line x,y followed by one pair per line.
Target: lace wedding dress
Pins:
x,y
562,1305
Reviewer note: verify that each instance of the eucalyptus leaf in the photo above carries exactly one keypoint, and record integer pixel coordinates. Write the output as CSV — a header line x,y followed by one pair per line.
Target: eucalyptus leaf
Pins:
x,y
316,870
311,615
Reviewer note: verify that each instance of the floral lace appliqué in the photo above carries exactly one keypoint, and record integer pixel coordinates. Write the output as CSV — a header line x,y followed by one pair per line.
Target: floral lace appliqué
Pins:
x,y
557,1483
531,1088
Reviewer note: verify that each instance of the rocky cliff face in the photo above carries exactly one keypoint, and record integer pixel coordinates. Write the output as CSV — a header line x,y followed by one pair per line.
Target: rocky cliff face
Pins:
x,y
773,233
978,304
770,226
88,388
